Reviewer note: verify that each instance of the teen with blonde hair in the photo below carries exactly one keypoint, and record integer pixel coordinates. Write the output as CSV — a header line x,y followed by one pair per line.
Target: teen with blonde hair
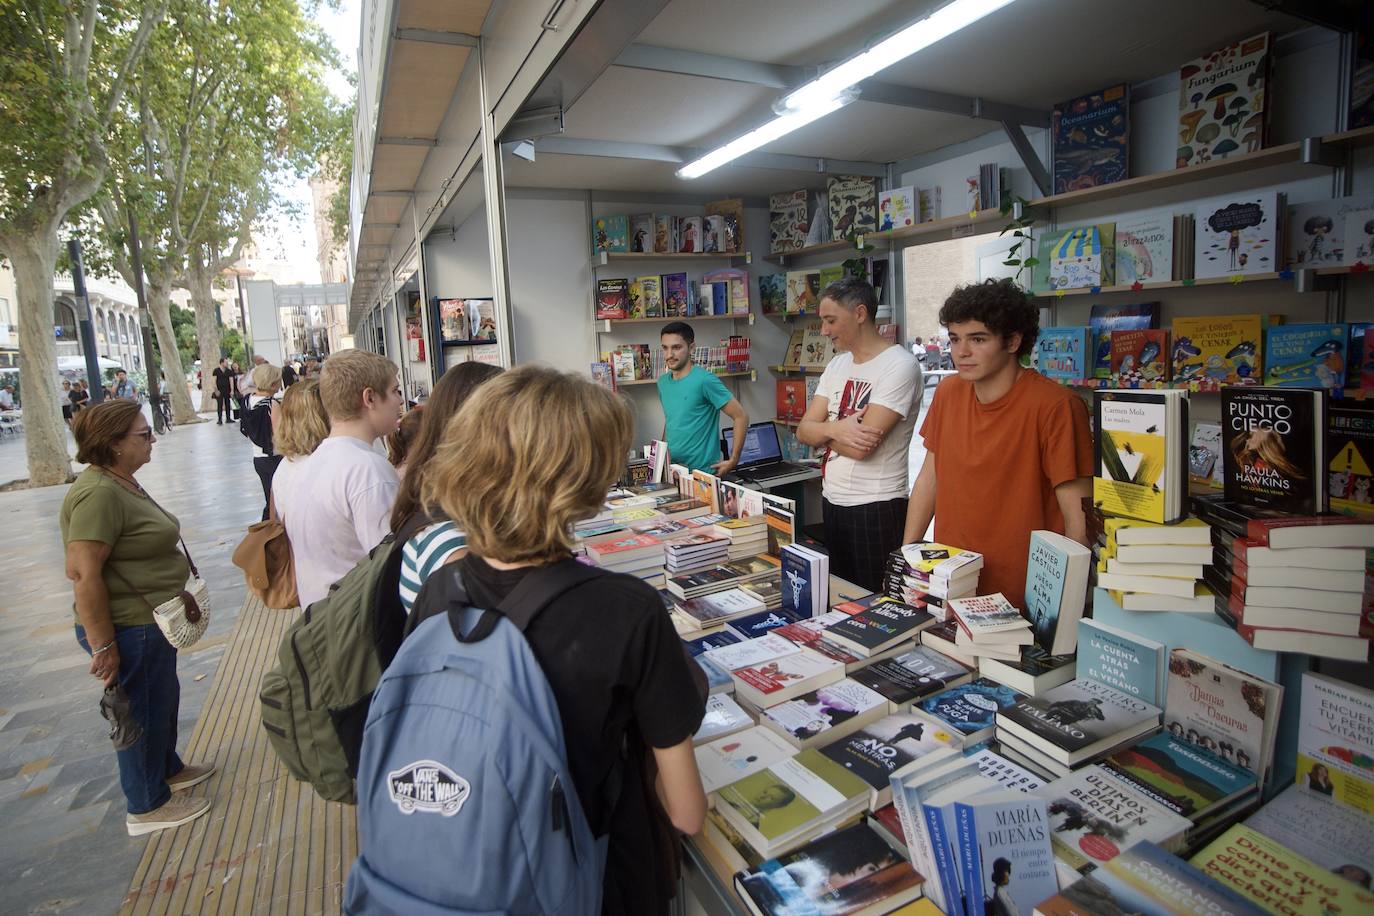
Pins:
x,y
338,503
532,451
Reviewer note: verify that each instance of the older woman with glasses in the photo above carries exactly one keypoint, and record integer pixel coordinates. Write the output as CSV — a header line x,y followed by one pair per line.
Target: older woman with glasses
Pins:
x,y
123,560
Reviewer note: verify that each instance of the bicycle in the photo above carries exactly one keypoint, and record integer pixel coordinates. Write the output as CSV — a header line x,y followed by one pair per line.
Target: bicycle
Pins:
x,y
162,415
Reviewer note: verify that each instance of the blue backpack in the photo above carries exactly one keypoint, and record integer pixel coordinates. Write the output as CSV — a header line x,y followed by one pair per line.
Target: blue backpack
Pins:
x,y
465,800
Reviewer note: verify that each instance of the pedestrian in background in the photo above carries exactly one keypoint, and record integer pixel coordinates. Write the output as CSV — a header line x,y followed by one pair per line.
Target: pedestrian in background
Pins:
x,y
224,392
258,424
123,560
67,397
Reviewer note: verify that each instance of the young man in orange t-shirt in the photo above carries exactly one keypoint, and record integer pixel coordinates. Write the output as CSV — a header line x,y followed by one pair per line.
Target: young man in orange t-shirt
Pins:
x,y
1009,450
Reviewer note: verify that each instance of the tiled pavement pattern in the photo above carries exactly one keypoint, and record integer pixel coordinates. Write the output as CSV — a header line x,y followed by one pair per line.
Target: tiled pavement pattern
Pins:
x,y
63,847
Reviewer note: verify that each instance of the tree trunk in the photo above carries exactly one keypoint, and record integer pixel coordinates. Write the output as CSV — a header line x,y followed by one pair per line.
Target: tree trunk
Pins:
x,y
45,436
159,307
207,319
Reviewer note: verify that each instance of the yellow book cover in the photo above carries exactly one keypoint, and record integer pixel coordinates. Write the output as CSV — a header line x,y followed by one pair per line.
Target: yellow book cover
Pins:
x,y
1227,350
1131,456
1277,878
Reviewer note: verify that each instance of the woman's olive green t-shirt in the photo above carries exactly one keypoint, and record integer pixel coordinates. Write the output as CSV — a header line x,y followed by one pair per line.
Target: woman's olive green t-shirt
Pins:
x,y
143,544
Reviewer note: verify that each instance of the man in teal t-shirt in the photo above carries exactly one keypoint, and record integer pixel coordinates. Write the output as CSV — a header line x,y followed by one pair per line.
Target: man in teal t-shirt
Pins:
x,y
692,398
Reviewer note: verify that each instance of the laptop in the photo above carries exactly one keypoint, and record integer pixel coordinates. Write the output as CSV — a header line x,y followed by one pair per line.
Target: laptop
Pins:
x,y
761,459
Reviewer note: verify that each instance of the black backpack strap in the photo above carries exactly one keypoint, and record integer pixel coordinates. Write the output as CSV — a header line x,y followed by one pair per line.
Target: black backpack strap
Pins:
x,y
445,593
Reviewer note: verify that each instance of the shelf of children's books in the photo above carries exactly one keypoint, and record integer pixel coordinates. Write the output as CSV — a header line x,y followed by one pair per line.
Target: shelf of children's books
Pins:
x,y
606,325
601,258
792,316
796,370
474,342
749,374
1357,138
932,231
1213,386
1167,284
1285,154
1196,386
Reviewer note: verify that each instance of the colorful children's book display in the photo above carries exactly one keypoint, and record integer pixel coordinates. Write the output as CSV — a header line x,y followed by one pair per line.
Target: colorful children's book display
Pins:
x,y
773,293
1236,235
787,221
1314,231
1225,350
1305,355
897,208
1104,319
1063,353
610,233
612,298
1145,248
1084,258
853,206
1223,102
1091,136
1140,357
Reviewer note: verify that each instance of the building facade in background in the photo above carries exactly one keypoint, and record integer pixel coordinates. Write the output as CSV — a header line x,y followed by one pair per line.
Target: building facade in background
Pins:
x,y
329,251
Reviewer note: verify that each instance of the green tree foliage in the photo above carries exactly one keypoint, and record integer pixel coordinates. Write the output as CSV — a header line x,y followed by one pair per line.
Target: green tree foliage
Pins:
x,y
65,66
230,100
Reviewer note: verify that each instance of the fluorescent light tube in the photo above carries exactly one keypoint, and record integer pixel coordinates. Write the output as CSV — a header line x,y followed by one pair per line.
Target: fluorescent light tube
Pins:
x,y
921,34
778,127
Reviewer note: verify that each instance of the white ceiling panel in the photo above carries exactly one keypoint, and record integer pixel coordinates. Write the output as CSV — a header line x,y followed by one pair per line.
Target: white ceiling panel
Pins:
x,y
879,133
780,31
1019,53
646,106
606,174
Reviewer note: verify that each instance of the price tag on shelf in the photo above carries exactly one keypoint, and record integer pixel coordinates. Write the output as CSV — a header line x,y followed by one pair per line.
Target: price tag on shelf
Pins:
x,y
1137,286
973,214
1237,278
859,240
1059,294
1189,282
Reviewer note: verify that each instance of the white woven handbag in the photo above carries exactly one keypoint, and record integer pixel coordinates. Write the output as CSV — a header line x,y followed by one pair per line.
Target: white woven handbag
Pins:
x,y
184,617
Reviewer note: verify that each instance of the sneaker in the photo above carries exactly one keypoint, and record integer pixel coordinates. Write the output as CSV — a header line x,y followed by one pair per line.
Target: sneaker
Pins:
x,y
177,810
192,774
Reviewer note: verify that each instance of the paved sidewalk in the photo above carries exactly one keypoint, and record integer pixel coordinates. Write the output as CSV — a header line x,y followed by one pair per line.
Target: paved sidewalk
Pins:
x,y
64,847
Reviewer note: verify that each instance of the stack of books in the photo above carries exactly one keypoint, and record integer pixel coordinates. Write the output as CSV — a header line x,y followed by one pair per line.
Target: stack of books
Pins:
x,y
769,591
1153,567
881,626
748,536
826,714
724,717
990,625
719,578
663,528
638,555
805,581
928,574
1292,583
777,680
709,612
693,552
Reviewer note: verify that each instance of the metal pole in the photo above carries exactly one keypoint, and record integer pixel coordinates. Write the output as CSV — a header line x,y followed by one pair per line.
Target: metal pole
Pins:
x,y
243,317
95,381
496,218
144,319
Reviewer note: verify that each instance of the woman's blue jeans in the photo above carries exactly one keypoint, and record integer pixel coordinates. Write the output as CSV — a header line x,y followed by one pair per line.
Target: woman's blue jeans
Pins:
x,y
148,674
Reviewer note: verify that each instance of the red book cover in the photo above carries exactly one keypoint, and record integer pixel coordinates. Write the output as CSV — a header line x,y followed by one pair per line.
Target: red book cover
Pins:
x,y
626,545
1140,356
888,817
612,298
1257,529
791,394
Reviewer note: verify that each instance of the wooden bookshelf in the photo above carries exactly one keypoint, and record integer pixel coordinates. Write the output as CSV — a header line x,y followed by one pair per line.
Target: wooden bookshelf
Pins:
x,y
601,258
791,370
933,231
750,374
606,325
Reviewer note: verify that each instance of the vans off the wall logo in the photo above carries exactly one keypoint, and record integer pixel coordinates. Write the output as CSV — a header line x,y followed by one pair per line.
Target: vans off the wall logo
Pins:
x,y
427,786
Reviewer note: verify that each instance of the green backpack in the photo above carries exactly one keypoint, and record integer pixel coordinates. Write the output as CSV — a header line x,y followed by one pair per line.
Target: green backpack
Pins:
x,y
315,702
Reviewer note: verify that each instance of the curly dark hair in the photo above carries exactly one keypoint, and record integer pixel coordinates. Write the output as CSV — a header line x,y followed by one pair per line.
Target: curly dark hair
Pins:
x,y
1001,305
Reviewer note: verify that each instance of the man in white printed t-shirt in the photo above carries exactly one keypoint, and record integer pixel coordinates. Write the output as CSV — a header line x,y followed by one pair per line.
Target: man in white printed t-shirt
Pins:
x,y
862,415
336,503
